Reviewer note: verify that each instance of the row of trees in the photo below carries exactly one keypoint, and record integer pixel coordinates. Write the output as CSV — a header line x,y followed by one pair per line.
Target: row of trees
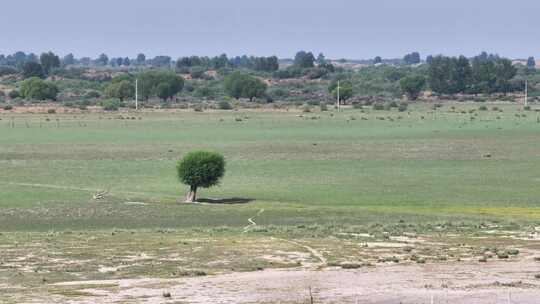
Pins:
x,y
483,74
158,83
267,64
39,67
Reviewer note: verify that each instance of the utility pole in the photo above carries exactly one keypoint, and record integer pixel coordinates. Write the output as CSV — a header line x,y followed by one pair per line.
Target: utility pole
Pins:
x,y
136,94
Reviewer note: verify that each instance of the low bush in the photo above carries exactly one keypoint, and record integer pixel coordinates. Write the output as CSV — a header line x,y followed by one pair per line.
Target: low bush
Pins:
x,y
378,106
403,107
111,104
224,105
14,94
198,108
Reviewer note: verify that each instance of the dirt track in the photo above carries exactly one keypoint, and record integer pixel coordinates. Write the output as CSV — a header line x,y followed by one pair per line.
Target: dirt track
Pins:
x,y
478,283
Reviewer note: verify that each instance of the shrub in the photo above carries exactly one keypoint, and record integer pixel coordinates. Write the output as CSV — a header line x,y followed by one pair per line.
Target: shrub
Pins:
x,y
224,105
197,73
38,89
378,106
389,105
121,89
7,70
527,108
111,104
92,94
482,108
279,93
51,111
403,107
204,92
198,108
200,169
323,107
357,105
8,108
437,106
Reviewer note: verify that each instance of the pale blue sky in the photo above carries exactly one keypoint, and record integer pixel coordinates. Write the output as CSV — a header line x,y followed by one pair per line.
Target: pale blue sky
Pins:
x,y
338,28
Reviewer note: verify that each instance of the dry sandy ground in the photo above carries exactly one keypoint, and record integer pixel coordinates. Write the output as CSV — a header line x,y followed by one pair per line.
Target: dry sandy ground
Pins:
x,y
472,282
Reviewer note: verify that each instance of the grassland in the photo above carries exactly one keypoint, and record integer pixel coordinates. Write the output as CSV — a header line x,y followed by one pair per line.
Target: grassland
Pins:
x,y
325,182
302,168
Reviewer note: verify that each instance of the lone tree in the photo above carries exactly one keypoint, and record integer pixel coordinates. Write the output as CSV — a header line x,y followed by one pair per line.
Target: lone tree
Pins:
x,y
49,61
531,63
200,169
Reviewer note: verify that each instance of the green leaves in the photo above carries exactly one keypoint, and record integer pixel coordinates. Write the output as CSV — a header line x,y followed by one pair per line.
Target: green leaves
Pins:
x,y
412,86
122,90
201,169
38,89
239,85
164,84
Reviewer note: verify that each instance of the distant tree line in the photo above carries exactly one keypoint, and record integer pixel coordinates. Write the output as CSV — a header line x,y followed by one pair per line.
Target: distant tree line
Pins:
x,y
485,73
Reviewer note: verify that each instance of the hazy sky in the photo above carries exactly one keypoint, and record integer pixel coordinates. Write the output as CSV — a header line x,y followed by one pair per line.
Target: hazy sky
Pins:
x,y
338,28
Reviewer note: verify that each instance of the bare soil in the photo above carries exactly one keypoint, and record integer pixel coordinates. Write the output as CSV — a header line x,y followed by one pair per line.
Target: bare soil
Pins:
x,y
479,283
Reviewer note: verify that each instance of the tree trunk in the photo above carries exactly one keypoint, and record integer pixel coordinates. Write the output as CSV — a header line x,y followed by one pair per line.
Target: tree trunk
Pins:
x,y
192,195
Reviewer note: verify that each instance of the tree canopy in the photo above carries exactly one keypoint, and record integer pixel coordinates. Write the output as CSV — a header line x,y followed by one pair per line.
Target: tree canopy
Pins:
x,y
38,89
164,84
120,88
487,74
240,85
345,89
531,63
49,61
412,58
33,69
412,86
304,59
200,169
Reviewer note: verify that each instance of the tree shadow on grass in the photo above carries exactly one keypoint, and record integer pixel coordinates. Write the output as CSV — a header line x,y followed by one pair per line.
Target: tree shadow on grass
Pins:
x,y
226,201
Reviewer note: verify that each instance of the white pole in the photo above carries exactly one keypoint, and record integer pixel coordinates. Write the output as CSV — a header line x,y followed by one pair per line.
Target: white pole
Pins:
x,y
136,94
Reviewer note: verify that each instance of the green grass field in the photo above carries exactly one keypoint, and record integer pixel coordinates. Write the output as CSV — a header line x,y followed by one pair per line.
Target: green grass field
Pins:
x,y
326,189
301,168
